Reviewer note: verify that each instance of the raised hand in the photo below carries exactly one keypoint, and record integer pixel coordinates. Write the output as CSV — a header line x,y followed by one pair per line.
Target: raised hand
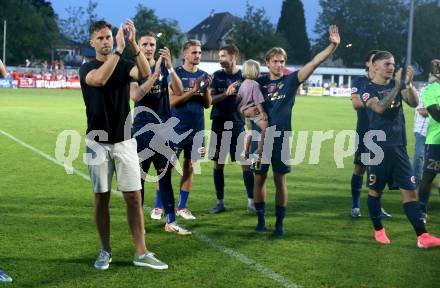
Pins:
x,y
120,41
409,74
333,35
232,89
157,70
398,76
166,55
207,82
131,32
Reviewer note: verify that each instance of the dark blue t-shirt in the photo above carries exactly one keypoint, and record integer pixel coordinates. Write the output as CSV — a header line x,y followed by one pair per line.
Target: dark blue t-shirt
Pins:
x,y
190,113
392,121
227,109
280,97
157,99
358,86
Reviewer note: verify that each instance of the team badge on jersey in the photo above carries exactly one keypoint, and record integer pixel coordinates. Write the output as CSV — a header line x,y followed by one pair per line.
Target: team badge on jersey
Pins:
x,y
365,96
354,90
192,82
271,88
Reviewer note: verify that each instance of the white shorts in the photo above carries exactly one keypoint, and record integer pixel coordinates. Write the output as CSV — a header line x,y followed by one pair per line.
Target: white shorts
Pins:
x,y
105,159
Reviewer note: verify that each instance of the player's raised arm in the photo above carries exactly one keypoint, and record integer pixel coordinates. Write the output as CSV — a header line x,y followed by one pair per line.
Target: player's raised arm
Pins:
x,y
137,92
176,83
207,98
409,94
308,69
102,41
142,68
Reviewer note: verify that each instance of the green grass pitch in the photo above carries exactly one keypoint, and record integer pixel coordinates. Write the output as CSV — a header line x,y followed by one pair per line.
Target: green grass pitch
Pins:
x,y
48,237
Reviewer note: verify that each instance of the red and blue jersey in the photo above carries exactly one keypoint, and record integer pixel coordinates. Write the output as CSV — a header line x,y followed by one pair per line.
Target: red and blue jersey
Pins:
x,y
280,97
191,112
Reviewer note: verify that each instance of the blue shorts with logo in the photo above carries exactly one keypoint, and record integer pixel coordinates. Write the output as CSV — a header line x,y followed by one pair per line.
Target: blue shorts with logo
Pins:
x,y
394,170
432,158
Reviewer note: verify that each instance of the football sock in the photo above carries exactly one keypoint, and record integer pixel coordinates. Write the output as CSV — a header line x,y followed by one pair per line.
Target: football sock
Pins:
x,y
414,214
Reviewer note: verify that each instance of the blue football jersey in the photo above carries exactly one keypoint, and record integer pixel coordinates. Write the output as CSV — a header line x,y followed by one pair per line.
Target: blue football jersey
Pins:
x,y
191,112
280,97
392,121
358,86
157,99
227,109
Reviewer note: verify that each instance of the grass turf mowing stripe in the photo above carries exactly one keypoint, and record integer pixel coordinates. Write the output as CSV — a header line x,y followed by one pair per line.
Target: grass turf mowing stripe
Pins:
x,y
201,237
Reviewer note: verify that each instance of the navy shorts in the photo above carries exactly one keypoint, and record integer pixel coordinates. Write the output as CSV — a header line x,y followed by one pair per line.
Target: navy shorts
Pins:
x,y
432,158
218,128
278,166
394,170
360,149
189,148
159,161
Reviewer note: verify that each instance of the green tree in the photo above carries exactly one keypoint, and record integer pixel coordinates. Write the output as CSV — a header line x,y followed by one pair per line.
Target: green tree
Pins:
x,y
364,25
146,20
76,26
292,25
32,30
255,34
426,35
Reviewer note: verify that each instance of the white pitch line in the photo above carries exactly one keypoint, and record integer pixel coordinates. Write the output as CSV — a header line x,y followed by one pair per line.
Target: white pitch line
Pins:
x,y
201,237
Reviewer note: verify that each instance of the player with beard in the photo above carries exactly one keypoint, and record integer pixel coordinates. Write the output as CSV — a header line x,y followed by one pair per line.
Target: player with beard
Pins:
x,y
226,119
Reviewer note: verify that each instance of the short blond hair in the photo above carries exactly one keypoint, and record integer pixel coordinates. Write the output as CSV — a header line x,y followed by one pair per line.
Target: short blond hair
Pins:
x,y
189,43
251,69
275,51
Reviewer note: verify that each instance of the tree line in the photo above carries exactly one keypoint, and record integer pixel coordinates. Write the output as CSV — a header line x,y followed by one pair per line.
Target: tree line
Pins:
x,y
34,29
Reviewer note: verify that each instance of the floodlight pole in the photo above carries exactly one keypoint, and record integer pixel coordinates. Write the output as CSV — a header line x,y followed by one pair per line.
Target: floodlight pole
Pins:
x,y
409,42
4,42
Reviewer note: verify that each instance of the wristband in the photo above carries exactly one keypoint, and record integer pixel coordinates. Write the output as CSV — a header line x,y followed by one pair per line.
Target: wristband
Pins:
x,y
171,70
118,53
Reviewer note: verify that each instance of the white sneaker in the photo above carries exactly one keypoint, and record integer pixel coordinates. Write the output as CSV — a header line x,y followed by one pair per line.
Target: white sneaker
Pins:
x,y
185,214
103,261
156,214
4,277
149,260
176,228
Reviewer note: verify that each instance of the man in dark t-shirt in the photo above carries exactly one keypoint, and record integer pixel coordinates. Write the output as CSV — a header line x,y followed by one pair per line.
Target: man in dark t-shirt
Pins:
x,y
280,91
227,120
111,149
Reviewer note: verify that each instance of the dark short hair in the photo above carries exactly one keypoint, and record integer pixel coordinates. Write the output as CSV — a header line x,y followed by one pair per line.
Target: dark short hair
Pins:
x,y
231,49
98,25
381,55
